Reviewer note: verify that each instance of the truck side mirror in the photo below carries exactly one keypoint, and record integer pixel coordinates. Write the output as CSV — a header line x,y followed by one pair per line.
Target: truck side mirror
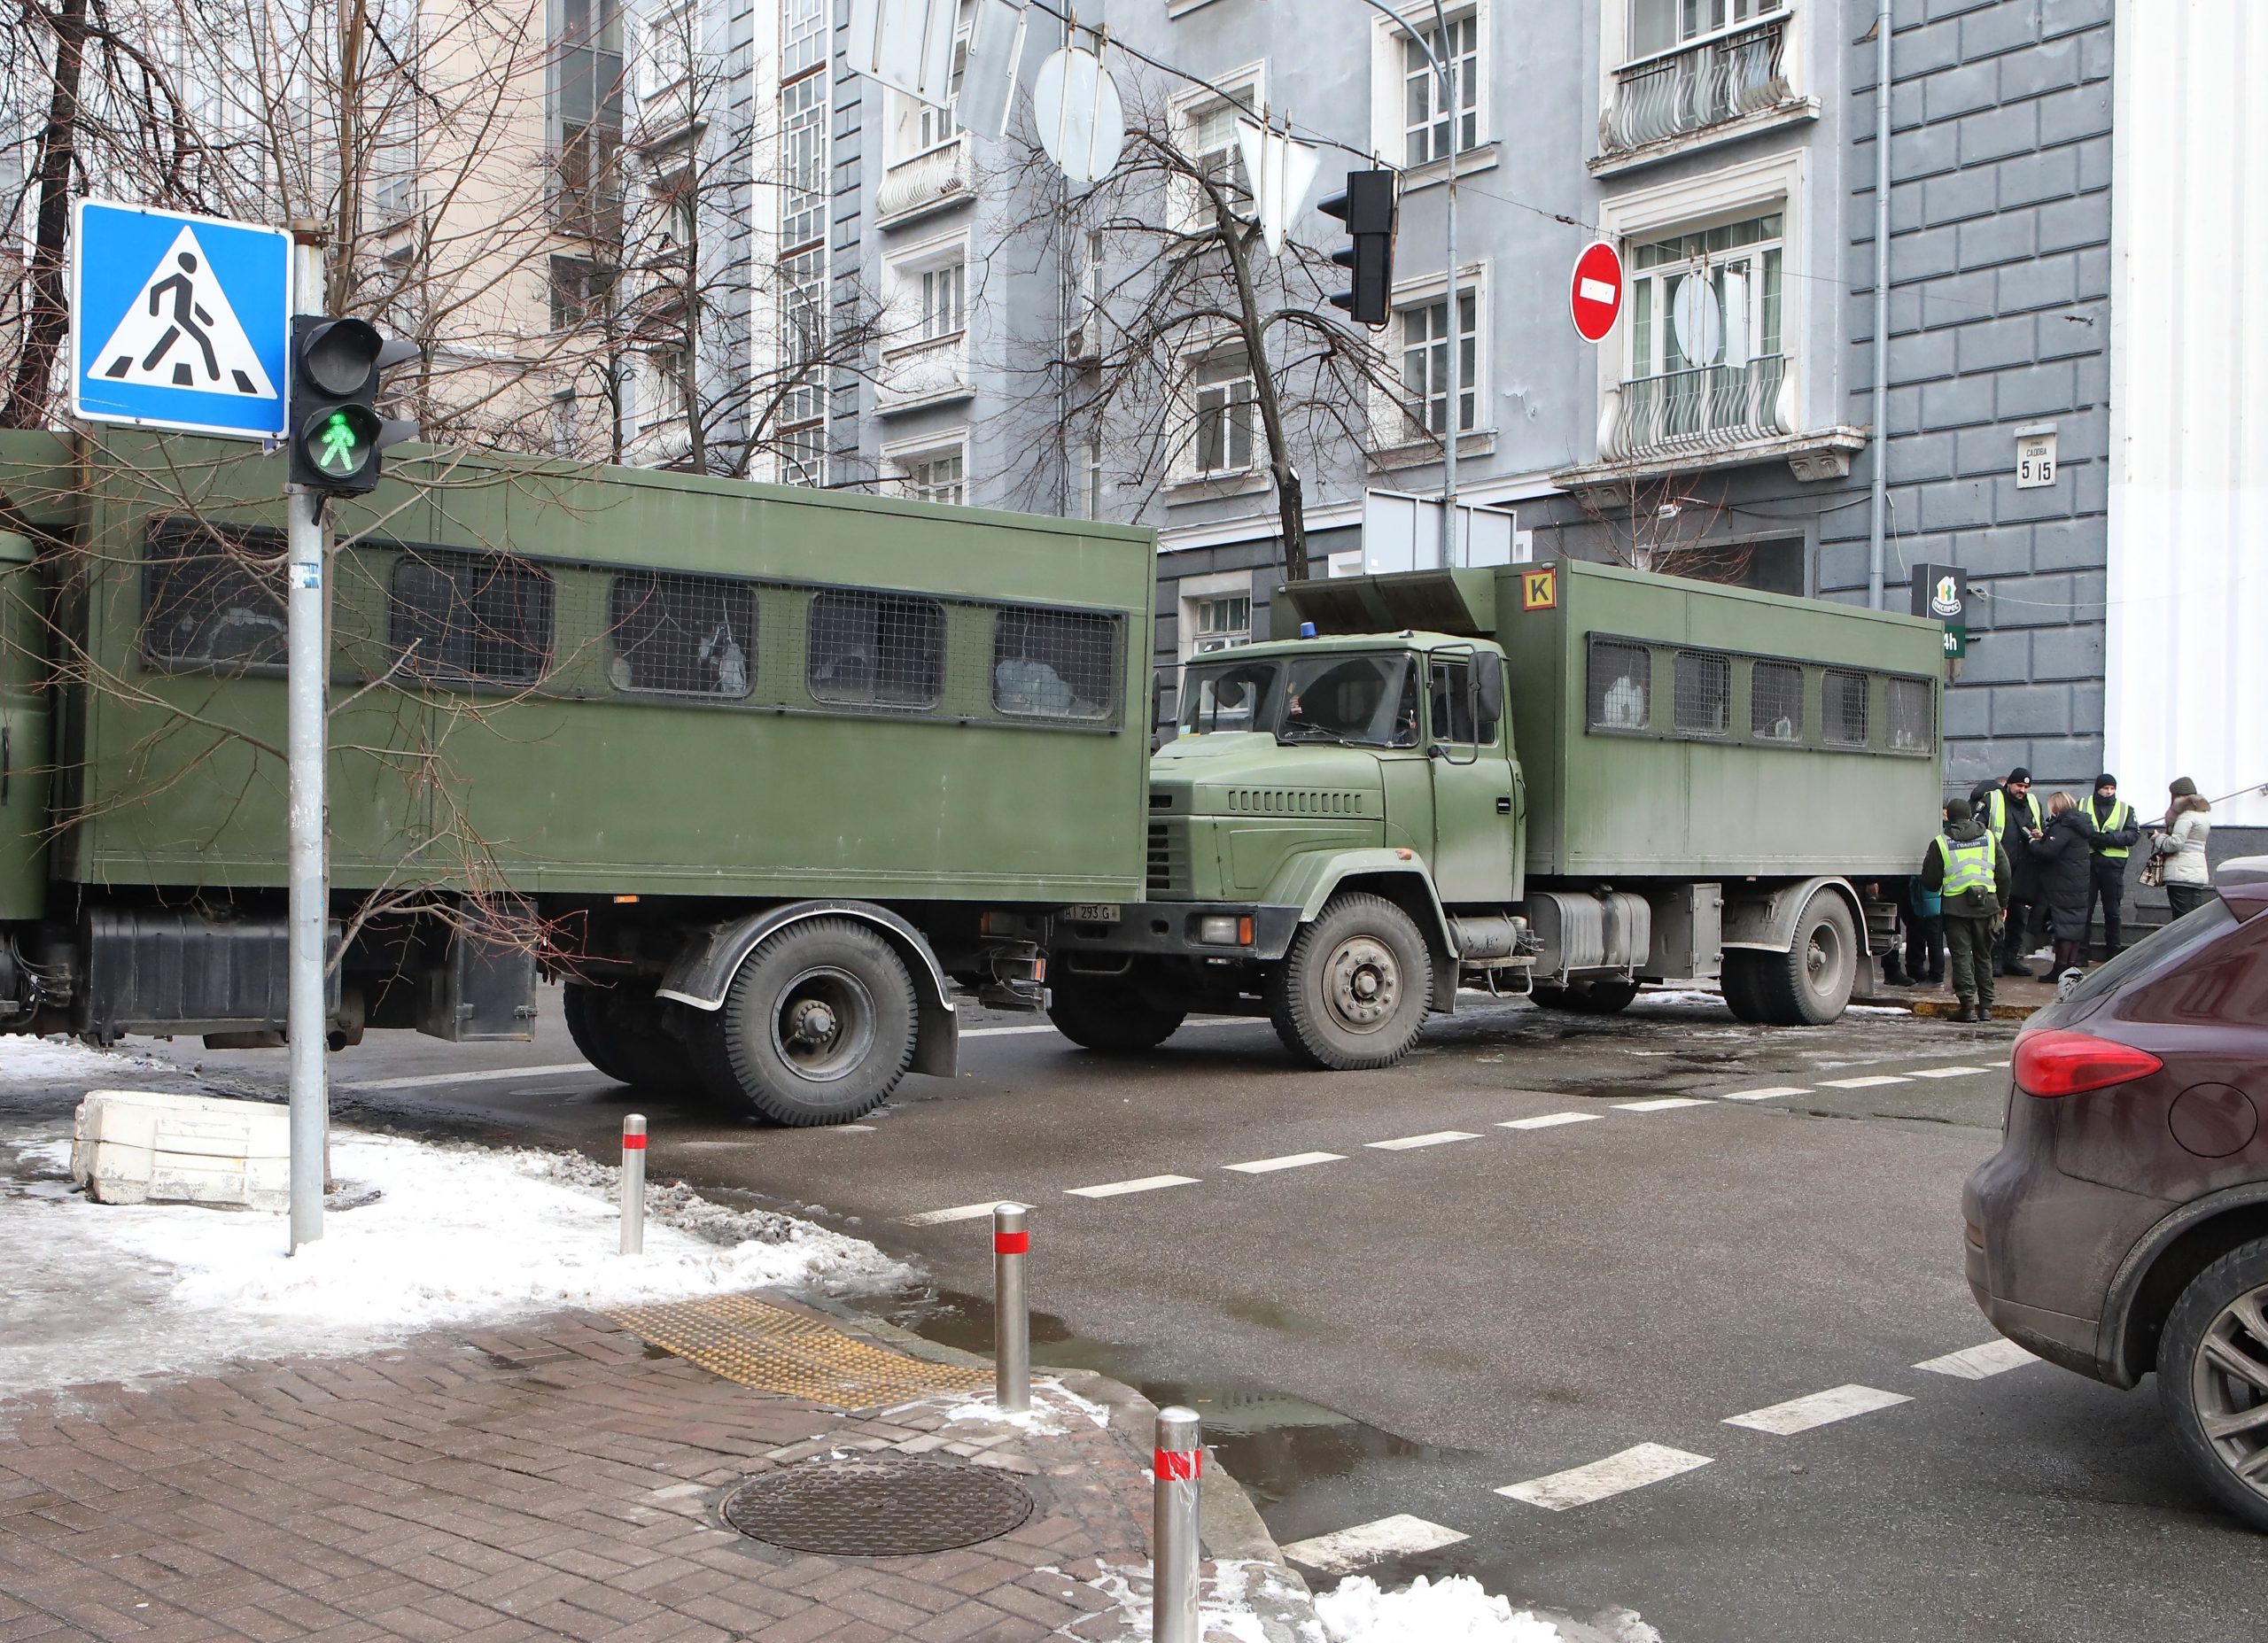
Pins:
x,y
1157,700
1489,678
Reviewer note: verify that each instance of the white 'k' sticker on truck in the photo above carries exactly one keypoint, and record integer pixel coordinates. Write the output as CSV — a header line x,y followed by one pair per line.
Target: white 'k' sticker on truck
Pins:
x,y
181,333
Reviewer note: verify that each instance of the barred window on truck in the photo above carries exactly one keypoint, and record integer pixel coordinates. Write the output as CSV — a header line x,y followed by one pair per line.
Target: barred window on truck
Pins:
x,y
1775,702
1701,690
472,618
1055,664
213,597
1843,708
1910,701
877,650
1621,685
681,635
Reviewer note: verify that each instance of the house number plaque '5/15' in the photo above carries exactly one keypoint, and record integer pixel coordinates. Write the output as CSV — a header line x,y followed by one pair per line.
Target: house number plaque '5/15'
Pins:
x,y
2035,458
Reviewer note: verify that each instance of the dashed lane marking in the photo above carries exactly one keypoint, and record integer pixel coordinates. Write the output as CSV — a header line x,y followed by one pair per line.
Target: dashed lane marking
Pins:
x,y
1550,1120
491,1075
1768,1093
1872,1080
1662,1104
1347,1550
1975,1363
1632,1468
939,1217
1800,1415
1438,1137
1120,1189
1947,1072
1290,1160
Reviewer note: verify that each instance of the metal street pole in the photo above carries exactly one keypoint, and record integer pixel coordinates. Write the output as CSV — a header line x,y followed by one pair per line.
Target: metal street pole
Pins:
x,y
1879,491
309,1023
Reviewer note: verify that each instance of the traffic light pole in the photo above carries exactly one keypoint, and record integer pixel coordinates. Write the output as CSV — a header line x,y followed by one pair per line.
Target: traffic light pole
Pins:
x,y
310,904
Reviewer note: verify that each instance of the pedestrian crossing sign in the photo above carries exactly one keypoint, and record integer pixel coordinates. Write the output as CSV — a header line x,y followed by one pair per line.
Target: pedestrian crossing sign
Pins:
x,y
179,321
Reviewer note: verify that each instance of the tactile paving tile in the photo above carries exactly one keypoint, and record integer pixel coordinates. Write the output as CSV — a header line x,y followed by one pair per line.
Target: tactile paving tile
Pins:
x,y
774,1350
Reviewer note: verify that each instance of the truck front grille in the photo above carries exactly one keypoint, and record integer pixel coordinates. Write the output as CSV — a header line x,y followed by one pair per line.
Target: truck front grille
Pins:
x,y
1168,858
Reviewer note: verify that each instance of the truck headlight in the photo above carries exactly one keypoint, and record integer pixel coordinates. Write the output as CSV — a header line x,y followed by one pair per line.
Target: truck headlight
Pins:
x,y
1223,930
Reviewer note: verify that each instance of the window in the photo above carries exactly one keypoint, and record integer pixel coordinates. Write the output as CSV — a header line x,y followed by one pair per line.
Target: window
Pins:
x,y
1057,664
667,369
803,161
1225,411
1775,702
1425,362
1706,315
1221,622
1449,693
681,635
212,598
884,650
936,477
579,288
1701,691
1621,686
803,35
1912,704
477,618
803,407
1427,119
1692,64
1843,708
935,125
802,455
1210,138
1090,480
1659,24
585,113
669,35
945,300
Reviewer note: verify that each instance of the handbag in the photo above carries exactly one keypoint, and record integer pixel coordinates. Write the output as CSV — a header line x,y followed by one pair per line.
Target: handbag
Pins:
x,y
2153,868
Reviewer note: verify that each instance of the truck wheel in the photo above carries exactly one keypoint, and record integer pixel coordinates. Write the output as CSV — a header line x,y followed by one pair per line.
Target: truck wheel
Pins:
x,y
1808,985
1109,1015
1742,986
1352,991
818,1027
1587,997
618,1028
2213,1379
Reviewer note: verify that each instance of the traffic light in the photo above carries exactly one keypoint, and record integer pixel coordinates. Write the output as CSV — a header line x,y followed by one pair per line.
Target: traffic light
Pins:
x,y
336,430
1367,207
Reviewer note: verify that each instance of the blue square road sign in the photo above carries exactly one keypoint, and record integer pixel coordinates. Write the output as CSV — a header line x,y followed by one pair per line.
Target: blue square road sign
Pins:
x,y
179,321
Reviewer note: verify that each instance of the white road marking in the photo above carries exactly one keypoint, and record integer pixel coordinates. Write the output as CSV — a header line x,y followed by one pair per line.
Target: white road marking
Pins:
x,y
1800,1415
1769,1092
1119,1189
1947,1072
2007,1063
939,1217
1347,1550
1871,1081
1662,1104
1633,1468
1550,1120
851,1129
490,1076
1290,1160
1402,1144
1974,1363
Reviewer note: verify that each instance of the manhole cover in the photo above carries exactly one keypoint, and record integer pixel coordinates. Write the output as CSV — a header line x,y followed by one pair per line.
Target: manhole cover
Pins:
x,y
876,1507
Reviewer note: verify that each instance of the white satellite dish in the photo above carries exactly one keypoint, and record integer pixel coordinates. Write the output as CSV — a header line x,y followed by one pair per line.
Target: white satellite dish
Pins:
x,y
1697,319
988,84
1082,123
906,45
1281,171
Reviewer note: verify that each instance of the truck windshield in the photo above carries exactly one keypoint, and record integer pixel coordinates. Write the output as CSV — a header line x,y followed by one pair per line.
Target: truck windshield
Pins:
x,y
1370,700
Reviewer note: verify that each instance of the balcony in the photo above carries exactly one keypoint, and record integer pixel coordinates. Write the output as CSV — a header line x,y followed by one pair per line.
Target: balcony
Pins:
x,y
1725,84
930,180
930,372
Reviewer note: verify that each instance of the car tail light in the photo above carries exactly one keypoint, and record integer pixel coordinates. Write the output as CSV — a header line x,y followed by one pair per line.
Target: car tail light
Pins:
x,y
2059,1063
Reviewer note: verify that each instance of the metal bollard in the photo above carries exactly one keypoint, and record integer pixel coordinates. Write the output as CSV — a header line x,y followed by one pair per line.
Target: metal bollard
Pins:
x,y
1011,1322
633,1184
1177,1465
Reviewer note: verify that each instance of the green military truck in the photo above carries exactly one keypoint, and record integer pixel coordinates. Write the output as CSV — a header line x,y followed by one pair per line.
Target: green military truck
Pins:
x,y
1560,781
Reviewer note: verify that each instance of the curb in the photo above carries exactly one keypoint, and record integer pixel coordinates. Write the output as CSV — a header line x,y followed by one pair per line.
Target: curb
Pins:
x,y
1945,1008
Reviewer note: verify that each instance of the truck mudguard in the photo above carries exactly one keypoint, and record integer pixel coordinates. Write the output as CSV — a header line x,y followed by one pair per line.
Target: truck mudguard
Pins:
x,y
702,972
1766,923
1309,880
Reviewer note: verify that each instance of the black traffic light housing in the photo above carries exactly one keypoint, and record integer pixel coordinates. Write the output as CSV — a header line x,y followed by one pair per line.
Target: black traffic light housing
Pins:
x,y
1367,209
335,430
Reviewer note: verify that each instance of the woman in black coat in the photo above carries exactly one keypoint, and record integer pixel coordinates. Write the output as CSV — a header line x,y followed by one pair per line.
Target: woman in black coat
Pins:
x,y
2063,853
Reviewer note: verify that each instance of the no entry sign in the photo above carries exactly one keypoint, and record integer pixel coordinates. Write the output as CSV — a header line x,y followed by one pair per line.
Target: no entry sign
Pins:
x,y
1595,293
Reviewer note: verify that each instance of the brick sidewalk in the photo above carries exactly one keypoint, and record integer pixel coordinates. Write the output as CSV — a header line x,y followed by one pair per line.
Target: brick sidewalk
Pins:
x,y
557,1479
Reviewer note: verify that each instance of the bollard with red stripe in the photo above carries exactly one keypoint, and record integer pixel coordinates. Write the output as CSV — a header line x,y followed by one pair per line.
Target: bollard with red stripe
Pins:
x,y
1177,1465
633,1184
1011,1322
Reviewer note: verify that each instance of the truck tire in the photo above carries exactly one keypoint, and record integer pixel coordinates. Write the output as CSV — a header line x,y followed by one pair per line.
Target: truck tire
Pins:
x,y
1587,997
1742,986
618,1028
1109,1015
2215,1327
1808,985
1352,991
817,1029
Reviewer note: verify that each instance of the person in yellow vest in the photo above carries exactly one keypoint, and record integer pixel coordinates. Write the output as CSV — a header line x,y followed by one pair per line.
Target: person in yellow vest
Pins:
x,y
2116,832
1969,870
2012,817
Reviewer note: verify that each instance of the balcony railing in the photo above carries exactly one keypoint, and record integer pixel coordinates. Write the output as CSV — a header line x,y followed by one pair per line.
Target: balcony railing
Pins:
x,y
934,177
917,372
1708,407
1701,83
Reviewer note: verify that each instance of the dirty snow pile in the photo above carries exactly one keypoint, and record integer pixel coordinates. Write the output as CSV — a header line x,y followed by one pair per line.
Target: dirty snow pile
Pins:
x,y
1456,1609
455,1234
1055,1408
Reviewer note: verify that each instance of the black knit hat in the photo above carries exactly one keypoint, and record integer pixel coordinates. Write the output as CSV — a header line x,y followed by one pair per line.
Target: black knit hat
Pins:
x,y
2106,780
2019,774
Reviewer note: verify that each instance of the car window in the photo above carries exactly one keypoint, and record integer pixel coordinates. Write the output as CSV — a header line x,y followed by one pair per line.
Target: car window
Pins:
x,y
2163,947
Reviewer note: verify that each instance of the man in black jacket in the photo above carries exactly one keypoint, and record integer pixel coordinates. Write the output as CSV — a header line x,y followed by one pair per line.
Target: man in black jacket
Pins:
x,y
2116,831
1966,865
2011,815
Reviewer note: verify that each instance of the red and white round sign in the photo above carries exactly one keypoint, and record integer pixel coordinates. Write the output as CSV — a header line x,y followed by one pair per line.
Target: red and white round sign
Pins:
x,y
1595,294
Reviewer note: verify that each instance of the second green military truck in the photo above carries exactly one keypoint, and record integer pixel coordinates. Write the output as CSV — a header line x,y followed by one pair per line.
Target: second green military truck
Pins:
x,y
766,777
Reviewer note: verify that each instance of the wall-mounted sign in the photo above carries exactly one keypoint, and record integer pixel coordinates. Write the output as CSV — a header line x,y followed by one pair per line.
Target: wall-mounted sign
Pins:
x,y
2035,456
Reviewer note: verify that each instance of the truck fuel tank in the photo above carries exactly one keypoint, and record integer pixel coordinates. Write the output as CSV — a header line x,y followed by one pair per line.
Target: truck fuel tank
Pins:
x,y
1589,930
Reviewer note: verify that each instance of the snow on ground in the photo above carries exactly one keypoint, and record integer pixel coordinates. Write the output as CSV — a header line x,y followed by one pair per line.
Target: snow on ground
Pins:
x,y
457,1234
1454,1609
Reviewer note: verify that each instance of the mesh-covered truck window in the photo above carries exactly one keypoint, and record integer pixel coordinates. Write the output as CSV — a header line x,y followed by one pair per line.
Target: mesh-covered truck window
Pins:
x,y
681,635
1910,729
471,619
1622,691
1701,692
1843,708
1055,664
884,650
212,598
1775,702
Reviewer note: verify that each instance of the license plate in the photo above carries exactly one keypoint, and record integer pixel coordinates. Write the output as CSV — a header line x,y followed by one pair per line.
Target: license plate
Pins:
x,y
1093,912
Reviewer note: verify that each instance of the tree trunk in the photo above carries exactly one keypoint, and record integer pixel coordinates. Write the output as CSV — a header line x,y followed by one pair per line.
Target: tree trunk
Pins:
x,y
47,316
1291,512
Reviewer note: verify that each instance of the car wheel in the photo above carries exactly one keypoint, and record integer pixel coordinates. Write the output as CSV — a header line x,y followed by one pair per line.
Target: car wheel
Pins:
x,y
817,1026
2213,1379
1352,991
1109,1016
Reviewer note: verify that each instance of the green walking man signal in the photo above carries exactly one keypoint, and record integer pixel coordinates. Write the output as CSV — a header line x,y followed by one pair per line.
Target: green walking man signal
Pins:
x,y
337,432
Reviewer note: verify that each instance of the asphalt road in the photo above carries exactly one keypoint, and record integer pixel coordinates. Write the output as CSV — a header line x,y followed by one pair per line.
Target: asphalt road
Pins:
x,y
1408,1330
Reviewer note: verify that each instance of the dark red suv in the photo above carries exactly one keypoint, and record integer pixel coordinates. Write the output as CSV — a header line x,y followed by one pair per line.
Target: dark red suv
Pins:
x,y
2122,1227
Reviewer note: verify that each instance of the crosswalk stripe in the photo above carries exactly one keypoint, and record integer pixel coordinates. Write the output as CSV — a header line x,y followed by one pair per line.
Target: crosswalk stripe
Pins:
x,y
1290,1160
1548,1121
1404,1143
1632,1468
1800,1415
1662,1105
1870,1081
939,1217
1975,1363
1947,1072
1142,1183
1344,1551
1769,1092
